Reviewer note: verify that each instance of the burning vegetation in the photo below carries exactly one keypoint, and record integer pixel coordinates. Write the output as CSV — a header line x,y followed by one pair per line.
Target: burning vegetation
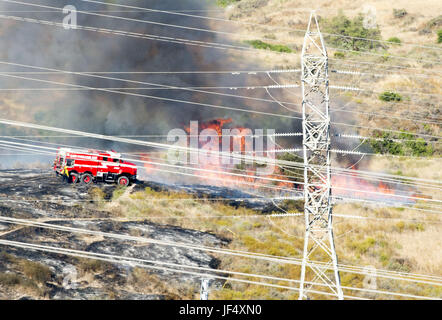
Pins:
x,y
349,185
222,158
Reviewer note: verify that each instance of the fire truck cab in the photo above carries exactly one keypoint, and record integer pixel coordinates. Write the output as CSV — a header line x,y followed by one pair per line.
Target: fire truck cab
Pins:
x,y
94,166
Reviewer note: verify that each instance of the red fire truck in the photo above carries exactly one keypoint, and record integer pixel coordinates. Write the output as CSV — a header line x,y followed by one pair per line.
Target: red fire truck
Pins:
x,y
93,166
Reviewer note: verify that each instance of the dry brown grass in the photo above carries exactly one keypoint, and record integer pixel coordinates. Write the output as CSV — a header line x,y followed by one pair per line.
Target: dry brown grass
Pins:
x,y
24,277
145,282
294,14
420,168
422,248
379,243
279,15
386,244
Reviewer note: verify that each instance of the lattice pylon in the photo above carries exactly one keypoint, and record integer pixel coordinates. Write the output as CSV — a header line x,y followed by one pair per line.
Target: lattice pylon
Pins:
x,y
319,270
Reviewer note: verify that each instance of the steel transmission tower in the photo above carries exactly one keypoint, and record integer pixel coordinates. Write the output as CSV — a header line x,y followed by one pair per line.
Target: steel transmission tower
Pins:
x,y
318,242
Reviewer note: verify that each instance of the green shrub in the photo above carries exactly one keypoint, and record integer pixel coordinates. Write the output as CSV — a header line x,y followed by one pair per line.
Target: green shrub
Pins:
x,y
339,55
118,192
394,40
363,246
342,25
419,147
292,173
258,44
399,13
439,36
388,144
390,96
225,3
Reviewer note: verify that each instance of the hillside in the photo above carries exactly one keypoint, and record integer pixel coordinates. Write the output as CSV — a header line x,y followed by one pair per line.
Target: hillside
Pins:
x,y
404,63
391,239
158,238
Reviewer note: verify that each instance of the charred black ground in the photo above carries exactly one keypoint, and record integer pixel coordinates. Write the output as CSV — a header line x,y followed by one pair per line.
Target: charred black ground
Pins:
x,y
39,195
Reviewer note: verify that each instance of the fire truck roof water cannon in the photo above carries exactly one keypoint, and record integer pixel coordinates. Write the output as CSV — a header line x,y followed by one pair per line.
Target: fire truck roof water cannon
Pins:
x,y
93,166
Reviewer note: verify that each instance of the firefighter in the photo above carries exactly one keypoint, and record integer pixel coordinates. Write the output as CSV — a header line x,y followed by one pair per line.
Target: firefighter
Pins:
x,y
66,174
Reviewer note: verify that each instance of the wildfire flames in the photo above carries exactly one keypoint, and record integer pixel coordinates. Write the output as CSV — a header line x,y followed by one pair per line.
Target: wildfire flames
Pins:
x,y
350,185
216,124
249,174
148,167
218,173
354,187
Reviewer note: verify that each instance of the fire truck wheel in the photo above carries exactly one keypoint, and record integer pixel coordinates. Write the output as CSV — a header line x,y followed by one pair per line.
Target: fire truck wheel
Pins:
x,y
123,181
87,178
74,178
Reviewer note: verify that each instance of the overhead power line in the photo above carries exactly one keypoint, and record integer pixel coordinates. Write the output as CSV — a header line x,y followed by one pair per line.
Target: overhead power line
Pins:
x,y
159,98
113,11
142,21
146,264
221,154
214,216
302,31
231,72
385,55
168,39
122,18
240,72
258,256
25,147
200,90
136,35
203,89
173,100
381,74
234,182
320,267
124,237
351,175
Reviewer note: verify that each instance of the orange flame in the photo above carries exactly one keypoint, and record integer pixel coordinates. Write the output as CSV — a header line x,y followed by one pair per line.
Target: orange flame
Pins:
x,y
149,168
353,186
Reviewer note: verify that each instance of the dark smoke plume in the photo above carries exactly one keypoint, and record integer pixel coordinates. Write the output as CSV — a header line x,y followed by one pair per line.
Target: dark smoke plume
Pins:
x,y
117,114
